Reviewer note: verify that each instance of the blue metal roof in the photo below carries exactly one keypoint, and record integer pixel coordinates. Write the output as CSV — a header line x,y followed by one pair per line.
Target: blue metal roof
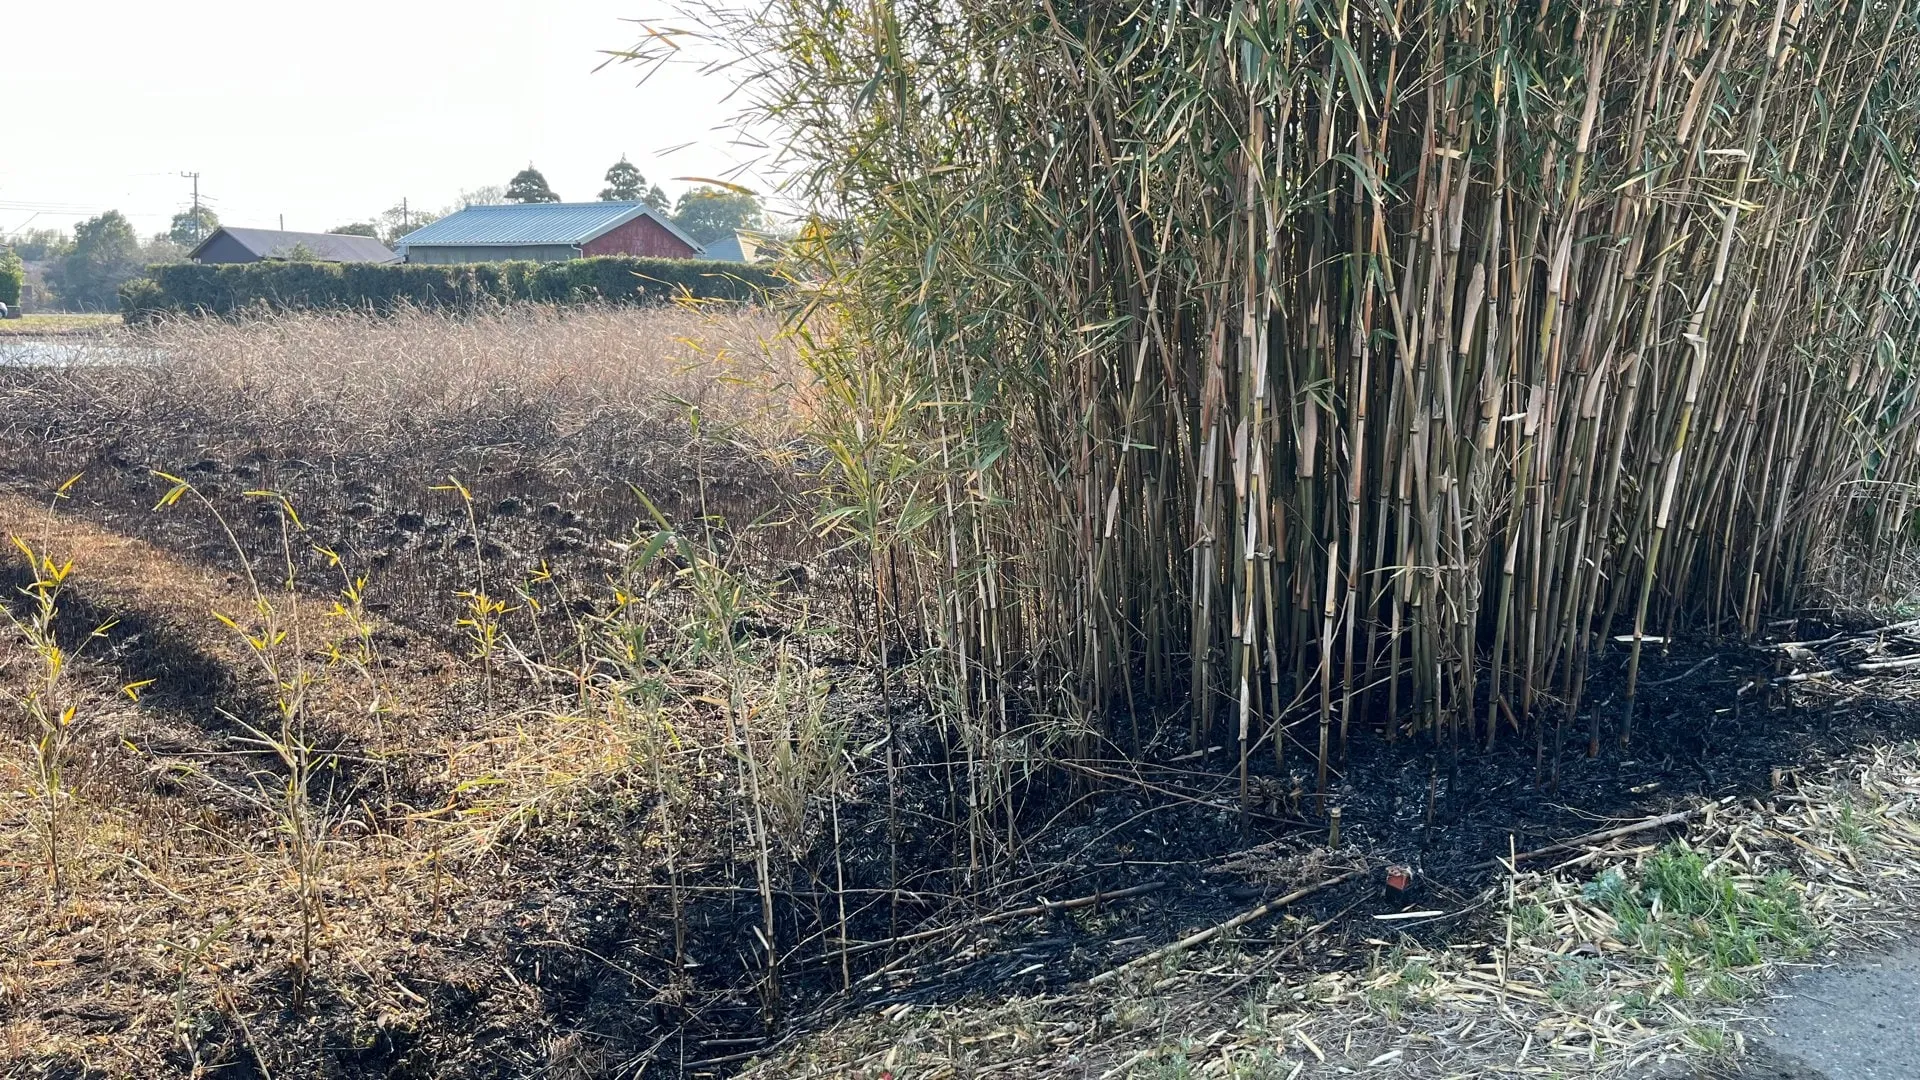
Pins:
x,y
728,248
524,224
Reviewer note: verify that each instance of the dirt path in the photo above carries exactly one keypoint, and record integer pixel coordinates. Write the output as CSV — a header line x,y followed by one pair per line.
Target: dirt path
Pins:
x,y
1853,1022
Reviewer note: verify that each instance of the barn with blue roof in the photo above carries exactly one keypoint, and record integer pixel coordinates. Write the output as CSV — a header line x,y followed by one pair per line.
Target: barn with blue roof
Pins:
x,y
547,232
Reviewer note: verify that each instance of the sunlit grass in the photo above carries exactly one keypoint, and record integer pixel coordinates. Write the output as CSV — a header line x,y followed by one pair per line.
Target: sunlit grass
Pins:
x,y
57,322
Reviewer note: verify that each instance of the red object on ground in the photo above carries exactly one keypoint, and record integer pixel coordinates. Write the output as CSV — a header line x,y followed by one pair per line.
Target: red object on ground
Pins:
x,y
1398,878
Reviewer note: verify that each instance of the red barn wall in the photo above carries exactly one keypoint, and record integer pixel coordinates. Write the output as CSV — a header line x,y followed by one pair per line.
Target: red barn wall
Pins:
x,y
641,236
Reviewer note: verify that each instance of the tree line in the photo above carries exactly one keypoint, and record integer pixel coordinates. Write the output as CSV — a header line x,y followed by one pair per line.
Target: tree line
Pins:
x,y
83,271
707,212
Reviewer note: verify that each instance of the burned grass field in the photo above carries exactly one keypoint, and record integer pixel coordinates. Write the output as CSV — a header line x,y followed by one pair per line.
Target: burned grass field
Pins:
x,y
549,422
484,697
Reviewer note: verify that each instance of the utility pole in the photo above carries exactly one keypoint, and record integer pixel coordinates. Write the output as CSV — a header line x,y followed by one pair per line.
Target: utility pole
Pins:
x,y
195,177
406,217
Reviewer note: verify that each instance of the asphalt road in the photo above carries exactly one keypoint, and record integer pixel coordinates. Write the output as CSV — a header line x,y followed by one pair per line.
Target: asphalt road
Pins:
x,y
1859,1021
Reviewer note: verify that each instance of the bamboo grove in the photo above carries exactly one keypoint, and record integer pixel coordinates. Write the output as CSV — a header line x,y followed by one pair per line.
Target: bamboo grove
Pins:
x,y
1345,367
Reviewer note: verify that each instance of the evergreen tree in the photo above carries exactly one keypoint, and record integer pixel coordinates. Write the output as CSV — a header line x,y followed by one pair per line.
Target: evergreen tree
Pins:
x,y
528,186
625,184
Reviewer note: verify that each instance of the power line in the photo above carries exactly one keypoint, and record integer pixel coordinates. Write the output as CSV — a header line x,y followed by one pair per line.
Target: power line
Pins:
x,y
50,208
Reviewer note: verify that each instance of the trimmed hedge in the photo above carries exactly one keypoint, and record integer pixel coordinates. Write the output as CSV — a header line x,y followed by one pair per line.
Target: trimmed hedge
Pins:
x,y
226,288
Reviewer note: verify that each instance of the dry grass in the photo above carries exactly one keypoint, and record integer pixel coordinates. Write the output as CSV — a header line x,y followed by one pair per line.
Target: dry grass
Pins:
x,y
38,323
178,880
346,378
339,383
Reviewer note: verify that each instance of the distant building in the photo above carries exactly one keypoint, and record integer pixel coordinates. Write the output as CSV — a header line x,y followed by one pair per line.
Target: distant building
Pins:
x,y
547,232
34,291
741,247
231,245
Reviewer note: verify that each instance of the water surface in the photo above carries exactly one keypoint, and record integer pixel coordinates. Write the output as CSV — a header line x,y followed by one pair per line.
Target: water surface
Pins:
x,y
71,349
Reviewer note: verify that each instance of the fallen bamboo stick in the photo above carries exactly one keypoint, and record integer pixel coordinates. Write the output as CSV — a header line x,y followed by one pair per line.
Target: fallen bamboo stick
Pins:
x,y
1242,919
1869,635
1670,680
1046,906
1868,668
1598,837
1041,908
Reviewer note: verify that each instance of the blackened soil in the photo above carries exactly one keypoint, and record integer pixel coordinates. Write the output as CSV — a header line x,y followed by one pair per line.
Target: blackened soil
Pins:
x,y
1707,726
1108,827
530,520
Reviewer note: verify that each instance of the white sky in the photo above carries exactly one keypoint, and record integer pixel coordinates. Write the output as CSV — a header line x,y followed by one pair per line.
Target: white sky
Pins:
x,y
331,112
